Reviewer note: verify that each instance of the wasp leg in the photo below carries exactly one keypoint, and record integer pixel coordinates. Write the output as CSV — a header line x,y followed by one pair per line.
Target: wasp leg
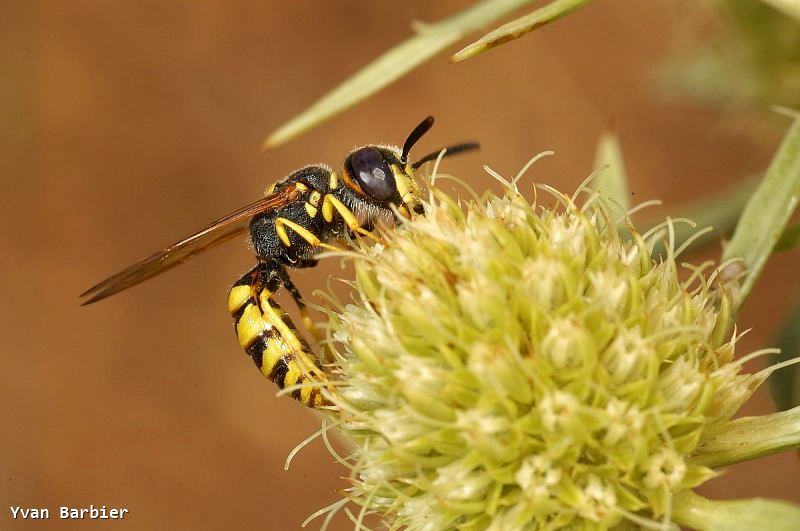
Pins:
x,y
268,335
325,352
280,228
330,202
298,299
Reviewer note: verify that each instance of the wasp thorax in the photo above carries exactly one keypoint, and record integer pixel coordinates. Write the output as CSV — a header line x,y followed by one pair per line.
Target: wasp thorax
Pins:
x,y
369,169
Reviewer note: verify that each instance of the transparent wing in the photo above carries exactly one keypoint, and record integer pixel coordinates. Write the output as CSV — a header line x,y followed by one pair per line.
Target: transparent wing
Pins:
x,y
217,232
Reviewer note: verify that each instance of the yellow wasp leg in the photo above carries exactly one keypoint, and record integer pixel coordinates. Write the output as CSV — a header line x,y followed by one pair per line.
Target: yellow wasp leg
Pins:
x,y
301,305
330,202
270,338
307,235
280,228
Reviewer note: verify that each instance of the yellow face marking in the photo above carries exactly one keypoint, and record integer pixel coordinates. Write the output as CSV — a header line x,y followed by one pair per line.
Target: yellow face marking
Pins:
x,y
405,184
333,182
249,325
270,189
407,187
300,186
237,297
315,197
401,179
311,210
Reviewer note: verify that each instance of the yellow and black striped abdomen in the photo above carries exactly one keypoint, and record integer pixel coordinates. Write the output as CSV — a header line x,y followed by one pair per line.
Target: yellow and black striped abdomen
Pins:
x,y
270,338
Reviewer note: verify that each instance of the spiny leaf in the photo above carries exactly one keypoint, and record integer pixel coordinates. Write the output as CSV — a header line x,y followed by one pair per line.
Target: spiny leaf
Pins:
x,y
766,215
429,40
519,27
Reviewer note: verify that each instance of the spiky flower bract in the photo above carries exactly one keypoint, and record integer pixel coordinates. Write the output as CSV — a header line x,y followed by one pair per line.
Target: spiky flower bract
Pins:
x,y
509,365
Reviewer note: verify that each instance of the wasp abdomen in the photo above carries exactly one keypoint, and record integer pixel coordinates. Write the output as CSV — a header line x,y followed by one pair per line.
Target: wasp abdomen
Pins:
x,y
270,338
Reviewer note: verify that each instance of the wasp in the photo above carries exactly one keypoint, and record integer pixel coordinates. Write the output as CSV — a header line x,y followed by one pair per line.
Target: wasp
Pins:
x,y
300,216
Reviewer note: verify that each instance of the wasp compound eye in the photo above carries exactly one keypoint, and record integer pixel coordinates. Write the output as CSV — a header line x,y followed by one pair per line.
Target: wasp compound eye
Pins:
x,y
367,166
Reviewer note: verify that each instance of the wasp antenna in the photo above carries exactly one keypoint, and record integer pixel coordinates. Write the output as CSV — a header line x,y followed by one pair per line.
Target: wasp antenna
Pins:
x,y
415,135
451,150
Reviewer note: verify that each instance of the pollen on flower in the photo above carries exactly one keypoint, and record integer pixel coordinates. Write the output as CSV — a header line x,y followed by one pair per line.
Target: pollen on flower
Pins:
x,y
597,500
628,356
624,420
461,481
680,385
539,276
509,366
538,476
664,469
565,343
566,234
611,289
558,410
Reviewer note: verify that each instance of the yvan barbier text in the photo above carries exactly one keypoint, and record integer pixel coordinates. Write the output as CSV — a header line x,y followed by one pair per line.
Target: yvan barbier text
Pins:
x,y
91,512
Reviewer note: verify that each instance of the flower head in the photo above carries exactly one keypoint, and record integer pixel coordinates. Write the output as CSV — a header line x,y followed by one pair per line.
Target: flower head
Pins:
x,y
509,366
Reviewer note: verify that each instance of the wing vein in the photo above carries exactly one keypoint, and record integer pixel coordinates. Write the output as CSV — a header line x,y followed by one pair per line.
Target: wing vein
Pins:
x,y
214,234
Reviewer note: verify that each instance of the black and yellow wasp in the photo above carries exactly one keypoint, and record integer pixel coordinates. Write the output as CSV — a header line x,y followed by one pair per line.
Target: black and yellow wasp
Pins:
x,y
297,218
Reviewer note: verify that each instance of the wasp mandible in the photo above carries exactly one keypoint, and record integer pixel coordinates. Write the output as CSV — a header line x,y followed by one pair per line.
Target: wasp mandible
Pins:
x,y
298,218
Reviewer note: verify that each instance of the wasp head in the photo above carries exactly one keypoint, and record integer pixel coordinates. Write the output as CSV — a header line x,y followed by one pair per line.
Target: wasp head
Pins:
x,y
384,176
379,175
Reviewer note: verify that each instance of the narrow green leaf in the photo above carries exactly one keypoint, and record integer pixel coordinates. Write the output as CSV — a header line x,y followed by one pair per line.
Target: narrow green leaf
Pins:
x,y
765,216
612,182
519,27
750,438
787,7
784,385
393,64
694,511
789,239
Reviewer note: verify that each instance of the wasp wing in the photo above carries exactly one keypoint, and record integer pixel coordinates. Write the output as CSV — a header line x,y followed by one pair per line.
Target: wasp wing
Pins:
x,y
217,232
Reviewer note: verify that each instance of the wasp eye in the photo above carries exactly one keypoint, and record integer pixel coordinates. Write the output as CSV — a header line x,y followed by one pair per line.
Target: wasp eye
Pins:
x,y
367,166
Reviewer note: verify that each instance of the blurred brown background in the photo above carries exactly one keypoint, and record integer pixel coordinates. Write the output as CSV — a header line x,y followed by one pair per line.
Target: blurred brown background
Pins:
x,y
127,125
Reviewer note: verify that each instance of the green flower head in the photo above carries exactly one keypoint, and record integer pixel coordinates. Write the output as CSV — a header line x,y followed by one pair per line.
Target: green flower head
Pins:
x,y
510,365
